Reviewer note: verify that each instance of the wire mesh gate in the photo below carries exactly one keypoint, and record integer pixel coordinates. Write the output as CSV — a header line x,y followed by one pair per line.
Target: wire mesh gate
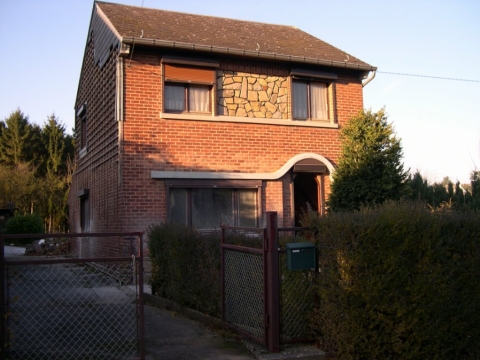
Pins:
x,y
75,308
260,297
244,288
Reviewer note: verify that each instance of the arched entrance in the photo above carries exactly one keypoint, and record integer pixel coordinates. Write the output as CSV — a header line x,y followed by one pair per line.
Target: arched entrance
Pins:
x,y
308,187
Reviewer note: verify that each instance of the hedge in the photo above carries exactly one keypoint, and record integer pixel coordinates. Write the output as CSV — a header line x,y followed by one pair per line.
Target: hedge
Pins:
x,y
395,282
24,224
399,282
186,266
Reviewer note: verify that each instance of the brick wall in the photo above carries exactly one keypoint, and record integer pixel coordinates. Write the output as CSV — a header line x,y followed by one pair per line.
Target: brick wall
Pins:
x,y
97,166
125,198
152,143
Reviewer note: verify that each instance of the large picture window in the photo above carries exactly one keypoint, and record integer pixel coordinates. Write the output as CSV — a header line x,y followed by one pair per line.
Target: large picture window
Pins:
x,y
310,100
209,207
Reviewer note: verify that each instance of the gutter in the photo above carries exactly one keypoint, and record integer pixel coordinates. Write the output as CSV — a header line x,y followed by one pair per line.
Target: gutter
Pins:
x,y
370,77
242,52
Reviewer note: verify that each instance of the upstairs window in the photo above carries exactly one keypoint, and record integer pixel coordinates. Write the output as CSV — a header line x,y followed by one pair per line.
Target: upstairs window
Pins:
x,y
187,98
82,122
312,95
188,85
310,101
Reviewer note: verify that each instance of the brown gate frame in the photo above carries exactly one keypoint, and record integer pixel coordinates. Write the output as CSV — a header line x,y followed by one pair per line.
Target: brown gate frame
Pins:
x,y
270,281
3,262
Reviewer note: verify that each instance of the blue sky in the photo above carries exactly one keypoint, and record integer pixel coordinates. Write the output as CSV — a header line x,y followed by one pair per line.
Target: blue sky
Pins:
x,y
438,120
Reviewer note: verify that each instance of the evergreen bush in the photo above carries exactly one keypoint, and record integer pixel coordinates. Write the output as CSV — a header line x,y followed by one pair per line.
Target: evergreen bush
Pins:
x,y
399,282
24,224
186,266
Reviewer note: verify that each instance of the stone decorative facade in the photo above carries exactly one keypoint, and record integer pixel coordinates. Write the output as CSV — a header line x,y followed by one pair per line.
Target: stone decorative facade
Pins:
x,y
252,95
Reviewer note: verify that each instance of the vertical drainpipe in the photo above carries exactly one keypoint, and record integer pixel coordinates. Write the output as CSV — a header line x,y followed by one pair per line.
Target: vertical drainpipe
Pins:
x,y
119,119
369,78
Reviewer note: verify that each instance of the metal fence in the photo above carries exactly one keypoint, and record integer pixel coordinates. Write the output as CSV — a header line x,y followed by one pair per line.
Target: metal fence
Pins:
x,y
66,307
297,297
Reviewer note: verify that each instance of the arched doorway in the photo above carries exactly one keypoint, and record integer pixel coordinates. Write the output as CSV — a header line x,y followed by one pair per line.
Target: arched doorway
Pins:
x,y
308,187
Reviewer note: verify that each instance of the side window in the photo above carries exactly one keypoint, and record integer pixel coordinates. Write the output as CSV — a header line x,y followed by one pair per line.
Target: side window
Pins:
x,y
82,122
84,210
207,208
310,100
188,89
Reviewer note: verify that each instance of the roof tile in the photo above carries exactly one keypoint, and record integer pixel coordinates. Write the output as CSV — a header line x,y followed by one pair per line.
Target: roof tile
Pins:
x,y
131,21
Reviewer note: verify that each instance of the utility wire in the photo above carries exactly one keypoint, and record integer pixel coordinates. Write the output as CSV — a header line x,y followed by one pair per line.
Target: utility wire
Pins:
x,y
427,76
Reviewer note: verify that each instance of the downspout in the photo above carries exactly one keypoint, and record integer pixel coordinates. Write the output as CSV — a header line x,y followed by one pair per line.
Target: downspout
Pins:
x,y
119,118
369,78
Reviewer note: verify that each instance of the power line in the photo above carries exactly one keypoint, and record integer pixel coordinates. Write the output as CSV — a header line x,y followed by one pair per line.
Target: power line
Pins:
x,y
427,76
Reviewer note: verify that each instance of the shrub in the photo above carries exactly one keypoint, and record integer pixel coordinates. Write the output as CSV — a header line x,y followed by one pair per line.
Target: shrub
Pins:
x,y
24,224
399,281
186,266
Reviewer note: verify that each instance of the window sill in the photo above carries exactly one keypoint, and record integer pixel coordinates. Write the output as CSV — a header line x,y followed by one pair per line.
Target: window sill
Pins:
x,y
248,120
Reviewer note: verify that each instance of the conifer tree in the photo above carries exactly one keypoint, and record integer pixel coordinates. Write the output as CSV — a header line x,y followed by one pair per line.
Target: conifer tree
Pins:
x,y
370,170
14,140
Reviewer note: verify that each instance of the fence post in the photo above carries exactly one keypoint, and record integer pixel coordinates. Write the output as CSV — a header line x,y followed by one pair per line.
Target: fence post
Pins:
x,y
3,318
141,298
273,293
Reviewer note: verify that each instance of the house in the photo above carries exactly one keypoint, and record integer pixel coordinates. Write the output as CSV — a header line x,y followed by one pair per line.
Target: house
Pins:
x,y
205,120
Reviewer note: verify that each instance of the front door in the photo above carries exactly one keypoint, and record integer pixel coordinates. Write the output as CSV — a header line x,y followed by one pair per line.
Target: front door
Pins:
x,y
306,187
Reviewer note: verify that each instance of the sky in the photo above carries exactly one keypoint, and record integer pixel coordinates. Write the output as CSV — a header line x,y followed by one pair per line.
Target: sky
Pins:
x,y
437,119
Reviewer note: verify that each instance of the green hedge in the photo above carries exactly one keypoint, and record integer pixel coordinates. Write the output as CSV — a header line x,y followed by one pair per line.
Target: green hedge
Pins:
x,y
399,282
186,266
24,224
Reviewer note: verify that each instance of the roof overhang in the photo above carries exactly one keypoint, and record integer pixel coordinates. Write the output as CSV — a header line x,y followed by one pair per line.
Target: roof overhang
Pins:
x,y
242,52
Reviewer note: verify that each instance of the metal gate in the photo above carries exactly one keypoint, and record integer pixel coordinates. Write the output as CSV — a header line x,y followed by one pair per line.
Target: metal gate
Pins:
x,y
250,292
260,297
67,307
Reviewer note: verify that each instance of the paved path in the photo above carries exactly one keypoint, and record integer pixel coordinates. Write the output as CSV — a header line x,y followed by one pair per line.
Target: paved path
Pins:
x,y
171,336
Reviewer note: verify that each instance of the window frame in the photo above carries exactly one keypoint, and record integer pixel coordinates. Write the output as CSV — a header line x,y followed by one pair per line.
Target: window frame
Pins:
x,y
186,72
82,118
309,100
85,210
309,77
235,185
186,102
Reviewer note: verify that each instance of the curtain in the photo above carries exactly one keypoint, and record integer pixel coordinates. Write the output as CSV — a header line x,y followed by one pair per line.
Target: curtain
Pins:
x,y
174,97
318,101
247,208
177,202
212,207
199,98
300,100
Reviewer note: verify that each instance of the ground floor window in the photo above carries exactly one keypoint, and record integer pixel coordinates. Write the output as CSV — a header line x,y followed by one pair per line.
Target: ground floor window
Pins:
x,y
84,210
212,206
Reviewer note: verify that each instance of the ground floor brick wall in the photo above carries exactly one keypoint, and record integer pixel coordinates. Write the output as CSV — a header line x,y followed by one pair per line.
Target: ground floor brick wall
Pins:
x,y
274,200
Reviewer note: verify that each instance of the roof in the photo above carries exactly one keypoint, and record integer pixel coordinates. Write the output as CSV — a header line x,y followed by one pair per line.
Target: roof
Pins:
x,y
154,27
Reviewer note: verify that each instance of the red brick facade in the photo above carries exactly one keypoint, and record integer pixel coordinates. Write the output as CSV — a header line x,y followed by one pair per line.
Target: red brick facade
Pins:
x,y
128,138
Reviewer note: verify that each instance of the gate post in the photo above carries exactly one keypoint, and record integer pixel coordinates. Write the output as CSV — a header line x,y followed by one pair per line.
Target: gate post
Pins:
x,y
272,311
